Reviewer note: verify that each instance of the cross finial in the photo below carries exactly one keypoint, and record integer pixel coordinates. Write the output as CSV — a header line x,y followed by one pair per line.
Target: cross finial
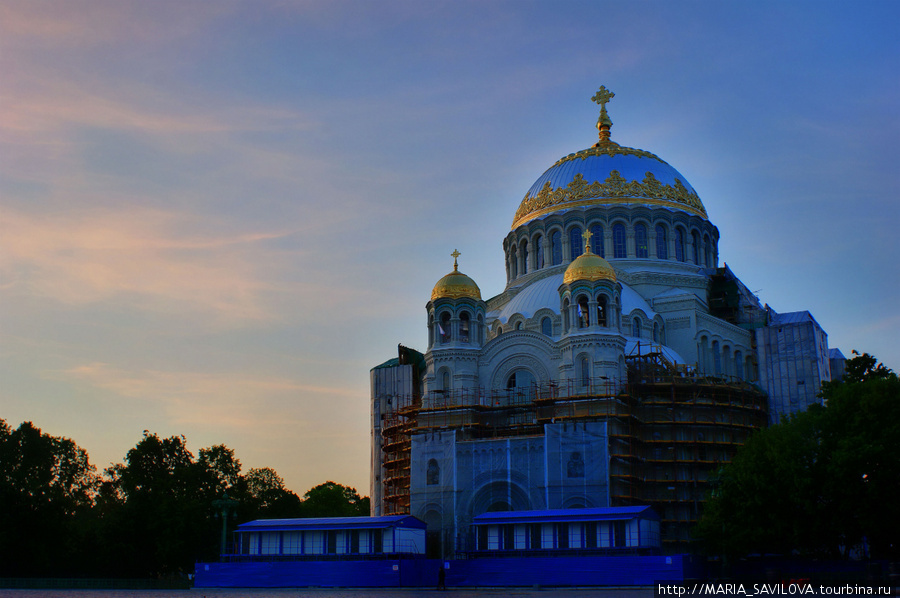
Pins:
x,y
455,255
587,240
602,96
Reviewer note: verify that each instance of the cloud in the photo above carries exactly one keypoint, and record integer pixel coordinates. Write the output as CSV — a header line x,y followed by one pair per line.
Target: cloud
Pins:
x,y
237,401
138,257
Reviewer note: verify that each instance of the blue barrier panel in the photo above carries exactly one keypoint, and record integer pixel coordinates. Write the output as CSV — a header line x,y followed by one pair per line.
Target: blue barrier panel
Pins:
x,y
480,572
327,574
566,571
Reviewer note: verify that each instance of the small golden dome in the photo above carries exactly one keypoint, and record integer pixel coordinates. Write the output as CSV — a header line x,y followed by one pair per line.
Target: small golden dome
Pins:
x,y
456,285
589,266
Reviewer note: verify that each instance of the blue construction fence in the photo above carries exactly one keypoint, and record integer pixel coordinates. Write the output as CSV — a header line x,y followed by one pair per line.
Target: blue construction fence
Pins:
x,y
419,572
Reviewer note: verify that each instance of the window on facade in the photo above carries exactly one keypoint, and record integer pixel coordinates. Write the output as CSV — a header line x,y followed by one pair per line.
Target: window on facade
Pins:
x,y
585,373
583,319
566,315
590,534
430,330
695,250
433,473
464,327
662,243
445,381
597,240
601,310
518,386
679,244
547,327
524,257
513,263
655,332
576,242
535,535
717,358
636,328
445,327
707,247
539,252
640,241
619,533
739,364
556,247
562,535
575,466
619,248
480,331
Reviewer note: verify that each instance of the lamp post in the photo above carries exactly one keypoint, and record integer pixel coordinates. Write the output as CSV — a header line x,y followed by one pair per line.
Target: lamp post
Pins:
x,y
224,507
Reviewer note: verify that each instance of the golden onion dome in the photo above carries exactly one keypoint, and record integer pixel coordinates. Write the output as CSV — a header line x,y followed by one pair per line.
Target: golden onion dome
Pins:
x,y
456,285
589,266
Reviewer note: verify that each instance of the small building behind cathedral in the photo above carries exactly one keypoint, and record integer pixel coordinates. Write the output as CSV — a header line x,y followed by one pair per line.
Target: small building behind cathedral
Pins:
x,y
621,366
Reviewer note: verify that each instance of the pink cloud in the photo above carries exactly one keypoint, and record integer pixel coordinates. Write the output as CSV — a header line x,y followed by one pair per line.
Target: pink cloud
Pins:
x,y
133,257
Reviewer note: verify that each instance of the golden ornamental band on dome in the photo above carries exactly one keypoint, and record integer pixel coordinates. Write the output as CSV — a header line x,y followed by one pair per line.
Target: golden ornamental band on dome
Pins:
x,y
456,285
605,174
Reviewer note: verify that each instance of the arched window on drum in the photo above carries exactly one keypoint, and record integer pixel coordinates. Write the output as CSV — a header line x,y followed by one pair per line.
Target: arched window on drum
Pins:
x,y
601,311
576,242
539,252
597,240
679,245
556,247
444,327
640,241
583,312
662,243
620,250
464,325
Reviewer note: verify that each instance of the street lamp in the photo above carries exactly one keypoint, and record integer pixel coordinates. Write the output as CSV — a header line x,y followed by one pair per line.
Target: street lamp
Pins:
x,y
224,507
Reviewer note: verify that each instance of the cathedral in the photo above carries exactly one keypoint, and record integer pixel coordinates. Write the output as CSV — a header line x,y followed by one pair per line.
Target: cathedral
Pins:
x,y
620,366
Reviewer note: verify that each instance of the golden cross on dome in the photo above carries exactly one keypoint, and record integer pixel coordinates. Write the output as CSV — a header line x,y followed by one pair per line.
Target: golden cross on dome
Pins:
x,y
455,255
587,240
602,96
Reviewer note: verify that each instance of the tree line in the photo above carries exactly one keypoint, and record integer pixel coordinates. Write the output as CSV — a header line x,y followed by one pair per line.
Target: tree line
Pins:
x,y
823,483
150,516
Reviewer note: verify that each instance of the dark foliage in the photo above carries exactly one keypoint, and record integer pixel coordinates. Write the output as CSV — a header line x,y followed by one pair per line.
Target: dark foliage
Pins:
x,y
151,516
823,483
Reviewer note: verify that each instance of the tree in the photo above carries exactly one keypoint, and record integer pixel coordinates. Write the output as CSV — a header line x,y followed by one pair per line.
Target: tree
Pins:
x,y
46,484
822,482
333,500
161,507
865,367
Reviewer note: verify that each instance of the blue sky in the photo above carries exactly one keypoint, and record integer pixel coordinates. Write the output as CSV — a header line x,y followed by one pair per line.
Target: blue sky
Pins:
x,y
218,216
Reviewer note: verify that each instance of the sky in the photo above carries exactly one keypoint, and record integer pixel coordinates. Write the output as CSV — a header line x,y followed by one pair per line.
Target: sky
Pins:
x,y
217,217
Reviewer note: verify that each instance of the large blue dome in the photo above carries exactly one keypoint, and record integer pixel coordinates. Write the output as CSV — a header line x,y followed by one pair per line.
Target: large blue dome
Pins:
x,y
608,174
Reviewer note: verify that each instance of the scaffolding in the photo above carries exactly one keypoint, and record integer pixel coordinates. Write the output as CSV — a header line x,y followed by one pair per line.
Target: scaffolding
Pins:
x,y
669,428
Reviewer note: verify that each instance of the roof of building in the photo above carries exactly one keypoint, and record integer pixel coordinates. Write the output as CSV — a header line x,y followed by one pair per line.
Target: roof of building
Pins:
x,y
332,523
456,285
544,293
589,266
791,317
564,515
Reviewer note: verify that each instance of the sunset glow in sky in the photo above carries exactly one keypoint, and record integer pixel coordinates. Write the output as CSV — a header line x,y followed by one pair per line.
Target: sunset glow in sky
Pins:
x,y
217,217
